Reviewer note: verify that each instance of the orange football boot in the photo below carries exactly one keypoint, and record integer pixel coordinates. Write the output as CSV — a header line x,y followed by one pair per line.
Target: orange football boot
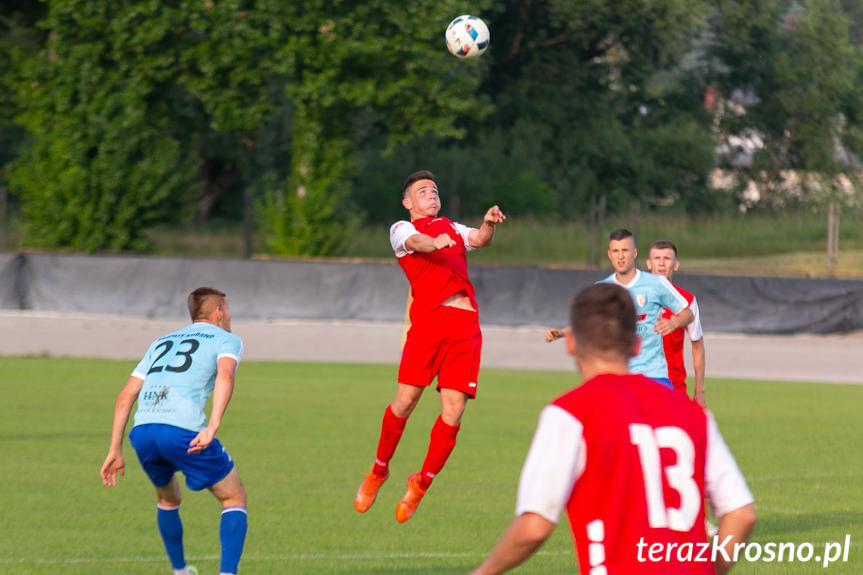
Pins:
x,y
368,490
409,503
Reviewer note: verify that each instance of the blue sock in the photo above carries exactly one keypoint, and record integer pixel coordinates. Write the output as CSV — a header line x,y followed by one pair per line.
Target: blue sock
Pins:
x,y
171,529
232,533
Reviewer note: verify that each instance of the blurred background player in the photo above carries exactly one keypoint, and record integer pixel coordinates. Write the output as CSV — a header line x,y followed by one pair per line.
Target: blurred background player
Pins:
x,y
603,452
171,433
662,260
651,293
444,339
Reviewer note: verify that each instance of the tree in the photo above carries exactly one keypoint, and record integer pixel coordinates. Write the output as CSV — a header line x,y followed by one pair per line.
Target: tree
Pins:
x,y
597,74
793,80
585,104
18,38
131,103
102,165
360,71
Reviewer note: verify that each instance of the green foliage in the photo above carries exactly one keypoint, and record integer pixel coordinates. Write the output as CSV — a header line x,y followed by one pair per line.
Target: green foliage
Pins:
x,y
794,73
487,169
102,166
579,112
588,73
202,84
379,61
142,113
18,39
101,191
310,221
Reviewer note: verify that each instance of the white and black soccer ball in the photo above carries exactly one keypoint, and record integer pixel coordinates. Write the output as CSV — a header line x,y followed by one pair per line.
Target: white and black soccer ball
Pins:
x,y
467,37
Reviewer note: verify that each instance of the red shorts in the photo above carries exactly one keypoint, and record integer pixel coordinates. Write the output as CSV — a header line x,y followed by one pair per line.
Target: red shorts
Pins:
x,y
445,343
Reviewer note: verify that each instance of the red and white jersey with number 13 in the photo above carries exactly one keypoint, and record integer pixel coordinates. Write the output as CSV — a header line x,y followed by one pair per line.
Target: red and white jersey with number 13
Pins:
x,y
632,462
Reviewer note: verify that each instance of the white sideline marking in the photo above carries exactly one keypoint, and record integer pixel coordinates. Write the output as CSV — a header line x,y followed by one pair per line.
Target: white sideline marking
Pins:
x,y
295,556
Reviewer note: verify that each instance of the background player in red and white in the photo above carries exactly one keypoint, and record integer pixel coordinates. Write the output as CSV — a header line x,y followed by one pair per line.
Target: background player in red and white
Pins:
x,y
630,462
444,339
662,260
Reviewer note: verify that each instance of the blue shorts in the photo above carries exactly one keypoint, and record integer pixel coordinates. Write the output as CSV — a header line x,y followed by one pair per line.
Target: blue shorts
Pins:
x,y
162,452
663,381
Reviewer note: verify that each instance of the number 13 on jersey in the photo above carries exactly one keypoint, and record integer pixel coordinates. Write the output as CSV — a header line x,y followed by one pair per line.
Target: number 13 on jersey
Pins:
x,y
680,475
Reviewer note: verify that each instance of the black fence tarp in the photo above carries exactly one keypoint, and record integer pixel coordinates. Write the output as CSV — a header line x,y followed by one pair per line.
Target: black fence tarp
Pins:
x,y
11,282
155,287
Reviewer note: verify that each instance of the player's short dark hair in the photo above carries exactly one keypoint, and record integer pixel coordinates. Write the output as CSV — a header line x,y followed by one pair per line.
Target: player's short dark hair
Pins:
x,y
603,320
203,301
415,177
663,245
620,234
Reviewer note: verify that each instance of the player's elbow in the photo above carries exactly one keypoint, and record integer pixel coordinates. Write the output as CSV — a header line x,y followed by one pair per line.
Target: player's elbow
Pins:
x,y
535,529
739,522
734,527
747,517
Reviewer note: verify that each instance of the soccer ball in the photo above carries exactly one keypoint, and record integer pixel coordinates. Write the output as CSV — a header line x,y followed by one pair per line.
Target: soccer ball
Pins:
x,y
467,37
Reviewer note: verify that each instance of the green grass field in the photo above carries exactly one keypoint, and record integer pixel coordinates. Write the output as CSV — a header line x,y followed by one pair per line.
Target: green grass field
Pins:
x,y
303,434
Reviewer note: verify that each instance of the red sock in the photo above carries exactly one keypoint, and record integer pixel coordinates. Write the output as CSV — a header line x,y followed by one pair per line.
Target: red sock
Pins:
x,y
391,432
440,446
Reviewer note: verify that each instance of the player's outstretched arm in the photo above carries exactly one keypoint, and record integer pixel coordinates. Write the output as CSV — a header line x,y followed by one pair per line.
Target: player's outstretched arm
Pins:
x,y
114,462
523,537
698,364
222,391
484,235
736,524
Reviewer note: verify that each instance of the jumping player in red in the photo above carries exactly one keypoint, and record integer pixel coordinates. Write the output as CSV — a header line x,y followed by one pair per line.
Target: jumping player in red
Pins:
x,y
444,339
662,260
631,463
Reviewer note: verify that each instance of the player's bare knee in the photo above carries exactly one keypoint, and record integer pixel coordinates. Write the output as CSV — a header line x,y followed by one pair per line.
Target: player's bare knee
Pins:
x,y
169,502
170,495
452,416
230,491
452,408
406,399
402,408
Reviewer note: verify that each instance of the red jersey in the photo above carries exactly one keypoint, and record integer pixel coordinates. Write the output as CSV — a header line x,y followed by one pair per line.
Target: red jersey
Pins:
x,y
438,275
629,460
673,342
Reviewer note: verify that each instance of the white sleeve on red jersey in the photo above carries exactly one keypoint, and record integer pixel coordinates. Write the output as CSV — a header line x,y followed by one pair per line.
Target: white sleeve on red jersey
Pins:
x,y
693,330
463,232
399,234
724,484
554,463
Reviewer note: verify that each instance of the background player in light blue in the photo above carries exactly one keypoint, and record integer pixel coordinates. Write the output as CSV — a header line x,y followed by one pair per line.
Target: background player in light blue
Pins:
x,y
650,292
171,433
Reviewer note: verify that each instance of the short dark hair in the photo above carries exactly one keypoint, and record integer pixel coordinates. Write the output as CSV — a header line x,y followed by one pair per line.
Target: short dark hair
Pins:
x,y
620,234
603,320
663,245
415,177
203,301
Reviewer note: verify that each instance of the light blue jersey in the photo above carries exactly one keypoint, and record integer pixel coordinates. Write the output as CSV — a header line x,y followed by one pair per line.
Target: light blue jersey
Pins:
x,y
179,372
651,293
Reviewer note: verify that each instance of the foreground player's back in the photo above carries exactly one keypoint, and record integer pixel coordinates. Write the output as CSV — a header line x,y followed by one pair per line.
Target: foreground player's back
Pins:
x,y
643,474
